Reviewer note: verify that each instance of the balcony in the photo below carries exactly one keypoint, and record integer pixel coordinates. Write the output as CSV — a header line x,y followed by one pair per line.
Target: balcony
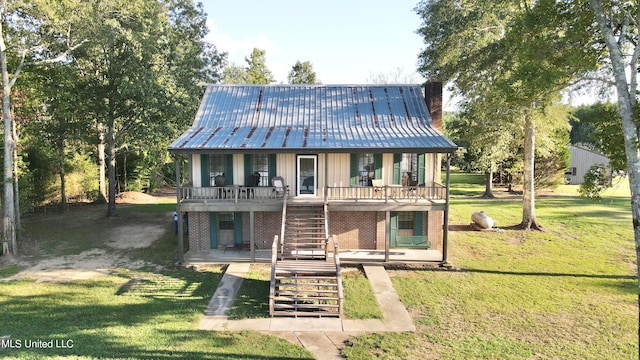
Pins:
x,y
266,198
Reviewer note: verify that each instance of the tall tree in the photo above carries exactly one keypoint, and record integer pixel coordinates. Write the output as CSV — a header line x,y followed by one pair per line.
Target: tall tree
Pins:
x,y
600,126
302,73
143,71
619,27
32,33
234,74
257,70
521,51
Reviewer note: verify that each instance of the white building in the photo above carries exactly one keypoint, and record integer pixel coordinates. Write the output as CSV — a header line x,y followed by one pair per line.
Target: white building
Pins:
x,y
580,162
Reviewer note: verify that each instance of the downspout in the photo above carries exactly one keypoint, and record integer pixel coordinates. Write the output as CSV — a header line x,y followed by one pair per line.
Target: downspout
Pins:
x,y
178,196
445,230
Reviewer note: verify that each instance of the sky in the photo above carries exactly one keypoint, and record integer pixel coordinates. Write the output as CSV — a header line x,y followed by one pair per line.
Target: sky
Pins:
x,y
346,41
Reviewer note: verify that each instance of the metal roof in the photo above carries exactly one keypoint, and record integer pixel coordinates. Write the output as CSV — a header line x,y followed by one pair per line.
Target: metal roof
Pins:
x,y
312,118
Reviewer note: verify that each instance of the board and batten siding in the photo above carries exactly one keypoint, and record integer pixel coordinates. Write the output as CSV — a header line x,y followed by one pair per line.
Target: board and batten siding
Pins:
x,y
339,170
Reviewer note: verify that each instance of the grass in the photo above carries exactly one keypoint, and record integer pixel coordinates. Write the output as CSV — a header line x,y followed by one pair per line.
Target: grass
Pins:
x,y
129,314
567,293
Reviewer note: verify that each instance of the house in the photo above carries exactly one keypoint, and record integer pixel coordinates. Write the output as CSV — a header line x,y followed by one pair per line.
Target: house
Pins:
x,y
581,160
370,155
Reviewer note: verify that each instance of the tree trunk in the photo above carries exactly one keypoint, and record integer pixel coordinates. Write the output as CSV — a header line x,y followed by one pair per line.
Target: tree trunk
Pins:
x,y
63,192
9,234
16,186
102,180
111,168
626,92
529,221
488,187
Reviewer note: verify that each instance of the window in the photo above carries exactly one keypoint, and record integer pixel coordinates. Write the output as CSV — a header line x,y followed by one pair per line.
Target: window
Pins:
x,y
260,164
409,168
225,221
366,169
217,166
406,220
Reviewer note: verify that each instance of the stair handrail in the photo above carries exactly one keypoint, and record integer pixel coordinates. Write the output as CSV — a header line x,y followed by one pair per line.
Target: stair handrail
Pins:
x,y
274,260
284,219
336,258
326,229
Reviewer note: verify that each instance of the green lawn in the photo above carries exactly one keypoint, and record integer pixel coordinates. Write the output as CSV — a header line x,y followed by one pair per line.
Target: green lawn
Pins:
x,y
567,293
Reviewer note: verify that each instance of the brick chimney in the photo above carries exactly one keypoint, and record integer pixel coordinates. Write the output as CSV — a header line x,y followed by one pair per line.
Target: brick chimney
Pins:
x,y
433,96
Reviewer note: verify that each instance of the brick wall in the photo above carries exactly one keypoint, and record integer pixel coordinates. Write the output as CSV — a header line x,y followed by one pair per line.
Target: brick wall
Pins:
x,y
434,221
199,237
355,230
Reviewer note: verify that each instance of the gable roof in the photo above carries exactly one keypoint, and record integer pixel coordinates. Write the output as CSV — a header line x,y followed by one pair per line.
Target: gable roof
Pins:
x,y
312,118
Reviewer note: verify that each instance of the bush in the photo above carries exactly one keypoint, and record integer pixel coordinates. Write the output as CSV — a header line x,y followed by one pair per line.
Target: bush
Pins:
x,y
596,180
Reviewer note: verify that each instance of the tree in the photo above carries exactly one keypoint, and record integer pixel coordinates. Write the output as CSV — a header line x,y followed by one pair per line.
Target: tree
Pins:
x,y
35,34
257,70
234,74
619,27
603,127
397,76
302,73
521,52
142,73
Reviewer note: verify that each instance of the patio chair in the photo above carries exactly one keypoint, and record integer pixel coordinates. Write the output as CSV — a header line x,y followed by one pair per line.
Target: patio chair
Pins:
x,y
278,183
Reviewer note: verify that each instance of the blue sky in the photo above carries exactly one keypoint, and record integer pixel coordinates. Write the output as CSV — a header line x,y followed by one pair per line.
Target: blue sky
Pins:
x,y
346,41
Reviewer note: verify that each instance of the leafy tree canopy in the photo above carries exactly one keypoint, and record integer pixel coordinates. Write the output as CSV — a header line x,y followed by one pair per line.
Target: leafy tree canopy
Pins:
x,y
302,73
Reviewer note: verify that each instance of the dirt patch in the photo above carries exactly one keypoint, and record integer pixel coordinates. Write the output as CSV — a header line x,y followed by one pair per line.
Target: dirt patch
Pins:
x,y
135,236
87,223
135,197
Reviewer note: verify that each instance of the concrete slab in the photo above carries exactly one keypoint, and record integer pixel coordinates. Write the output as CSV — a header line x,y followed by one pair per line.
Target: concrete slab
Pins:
x,y
320,345
249,324
361,326
305,324
229,285
396,317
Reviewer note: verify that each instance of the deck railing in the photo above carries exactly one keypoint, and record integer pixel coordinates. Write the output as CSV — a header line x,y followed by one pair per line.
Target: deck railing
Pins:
x,y
231,193
387,192
236,193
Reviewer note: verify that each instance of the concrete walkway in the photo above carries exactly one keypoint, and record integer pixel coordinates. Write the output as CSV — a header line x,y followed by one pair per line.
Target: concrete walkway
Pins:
x,y
322,336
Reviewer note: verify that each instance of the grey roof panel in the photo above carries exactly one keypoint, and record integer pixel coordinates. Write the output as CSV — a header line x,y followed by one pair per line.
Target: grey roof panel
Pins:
x,y
312,118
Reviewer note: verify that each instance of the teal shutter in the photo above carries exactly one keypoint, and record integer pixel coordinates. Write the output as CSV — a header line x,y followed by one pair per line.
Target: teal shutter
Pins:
x,y
419,220
204,170
228,169
272,167
422,171
397,171
377,158
248,164
394,229
354,169
237,227
213,230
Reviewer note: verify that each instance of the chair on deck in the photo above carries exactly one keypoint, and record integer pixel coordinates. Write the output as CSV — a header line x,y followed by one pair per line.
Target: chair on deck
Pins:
x,y
251,181
278,183
219,181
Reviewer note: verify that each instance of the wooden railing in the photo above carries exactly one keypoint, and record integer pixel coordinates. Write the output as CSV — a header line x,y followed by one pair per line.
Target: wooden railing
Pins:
x,y
231,193
274,260
336,258
387,192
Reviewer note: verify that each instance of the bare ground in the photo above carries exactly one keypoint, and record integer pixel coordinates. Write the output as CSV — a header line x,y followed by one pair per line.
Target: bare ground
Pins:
x,y
43,259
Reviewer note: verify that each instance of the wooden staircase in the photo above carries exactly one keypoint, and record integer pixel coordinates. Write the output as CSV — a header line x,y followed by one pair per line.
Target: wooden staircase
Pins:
x,y
305,278
304,233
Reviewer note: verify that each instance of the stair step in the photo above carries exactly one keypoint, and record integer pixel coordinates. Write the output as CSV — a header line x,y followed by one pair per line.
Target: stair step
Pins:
x,y
285,276
297,285
306,313
305,298
305,306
